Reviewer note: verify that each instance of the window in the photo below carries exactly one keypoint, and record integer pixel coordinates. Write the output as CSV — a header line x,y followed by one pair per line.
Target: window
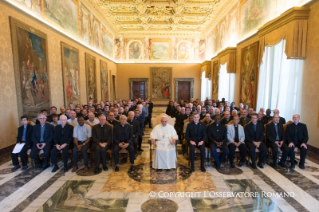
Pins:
x,y
206,87
226,84
280,79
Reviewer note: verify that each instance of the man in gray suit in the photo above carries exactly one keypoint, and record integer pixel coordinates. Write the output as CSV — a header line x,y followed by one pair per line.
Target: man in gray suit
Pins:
x,y
236,139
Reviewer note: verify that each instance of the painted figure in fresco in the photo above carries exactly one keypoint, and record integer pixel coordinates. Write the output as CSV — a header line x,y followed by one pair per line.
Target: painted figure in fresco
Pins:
x,y
77,79
183,53
29,90
249,80
135,51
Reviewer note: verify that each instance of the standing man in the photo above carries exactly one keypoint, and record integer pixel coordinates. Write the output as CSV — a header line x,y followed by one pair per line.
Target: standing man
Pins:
x,y
82,136
42,137
276,139
254,134
236,139
196,137
63,141
24,137
123,134
217,138
297,136
136,128
102,135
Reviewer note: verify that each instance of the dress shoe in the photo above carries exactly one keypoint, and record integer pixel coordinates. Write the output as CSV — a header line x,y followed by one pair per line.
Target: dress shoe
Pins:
x,y
260,165
301,166
158,170
217,167
167,170
65,169
282,165
96,170
75,168
274,165
202,168
140,149
45,166
232,165
254,166
24,168
55,168
131,169
124,160
15,168
86,169
39,166
117,169
293,166
240,164
105,168
192,169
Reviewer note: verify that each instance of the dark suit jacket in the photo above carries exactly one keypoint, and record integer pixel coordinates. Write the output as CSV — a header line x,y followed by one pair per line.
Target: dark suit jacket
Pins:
x,y
136,127
242,121
179,122
216,133
191,134
271,132
302,133
128,130
47,136
225,121
28,135
140,124
63,136
251,135
282,120
114,122
105,136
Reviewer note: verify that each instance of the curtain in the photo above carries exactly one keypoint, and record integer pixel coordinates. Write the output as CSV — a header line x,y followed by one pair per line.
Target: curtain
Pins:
x,y
226,84
280,79
206,87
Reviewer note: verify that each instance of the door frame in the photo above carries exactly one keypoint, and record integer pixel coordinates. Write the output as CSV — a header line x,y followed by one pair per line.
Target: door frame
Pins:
x,y
130,82
191,80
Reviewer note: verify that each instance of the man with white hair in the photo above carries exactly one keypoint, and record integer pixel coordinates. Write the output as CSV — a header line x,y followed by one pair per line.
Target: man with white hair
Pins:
x,y
281,119
73,120
165,136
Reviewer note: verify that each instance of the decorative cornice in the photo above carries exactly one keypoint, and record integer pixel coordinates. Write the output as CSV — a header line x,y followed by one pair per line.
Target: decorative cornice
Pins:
x,y
295,13
229,50
206,63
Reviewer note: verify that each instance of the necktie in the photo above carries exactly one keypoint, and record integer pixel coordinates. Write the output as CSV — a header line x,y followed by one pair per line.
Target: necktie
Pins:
x,y
255,127
296,133
42,133
277,137
236,134
24,133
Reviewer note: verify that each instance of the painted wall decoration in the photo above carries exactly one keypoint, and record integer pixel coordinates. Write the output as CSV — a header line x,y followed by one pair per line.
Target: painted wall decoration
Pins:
x,y
135,50
33,6
31,68
201,50
254,13
71,74
96,33
249,75
85,24
184,51
107,42
119,48
160,49
63,13
161,83
90,70
104,81
215,80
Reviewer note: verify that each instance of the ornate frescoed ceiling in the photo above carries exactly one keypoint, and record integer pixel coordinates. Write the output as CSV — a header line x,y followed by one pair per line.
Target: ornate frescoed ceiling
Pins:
x,y
170,17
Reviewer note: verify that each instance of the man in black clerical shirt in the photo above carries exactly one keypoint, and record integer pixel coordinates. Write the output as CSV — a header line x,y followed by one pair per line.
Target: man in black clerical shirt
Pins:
x,y
196,136
254,135
42,137
276,139
24,137
243,118
226,119
122,139
102,135
111,119
217,138
136,129
297,136
63,141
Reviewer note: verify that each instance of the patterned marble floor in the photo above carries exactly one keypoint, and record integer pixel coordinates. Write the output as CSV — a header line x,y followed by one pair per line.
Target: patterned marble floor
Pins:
x,y
239,189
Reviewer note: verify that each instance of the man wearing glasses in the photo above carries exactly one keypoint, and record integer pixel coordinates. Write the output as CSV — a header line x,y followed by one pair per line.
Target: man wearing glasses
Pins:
x,y
42,137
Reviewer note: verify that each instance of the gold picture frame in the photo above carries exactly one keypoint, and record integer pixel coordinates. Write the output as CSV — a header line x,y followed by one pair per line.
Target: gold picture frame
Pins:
x,y
160,49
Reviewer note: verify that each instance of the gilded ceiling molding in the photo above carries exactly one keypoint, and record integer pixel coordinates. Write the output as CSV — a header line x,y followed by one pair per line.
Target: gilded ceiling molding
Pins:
x,y
228,55
206,66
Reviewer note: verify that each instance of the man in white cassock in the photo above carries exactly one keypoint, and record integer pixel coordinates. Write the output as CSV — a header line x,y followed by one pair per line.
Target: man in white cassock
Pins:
x,y
165,154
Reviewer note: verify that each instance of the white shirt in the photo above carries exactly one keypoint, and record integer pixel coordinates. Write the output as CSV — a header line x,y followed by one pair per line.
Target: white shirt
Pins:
x,y
94,122
74,122
82,132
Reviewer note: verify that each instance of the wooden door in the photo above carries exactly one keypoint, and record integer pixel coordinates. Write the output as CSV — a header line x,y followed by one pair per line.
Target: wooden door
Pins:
x,y
138,89
184,92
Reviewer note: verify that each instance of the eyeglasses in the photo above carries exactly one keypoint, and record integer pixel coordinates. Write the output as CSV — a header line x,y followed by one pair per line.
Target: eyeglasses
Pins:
x,y
42,118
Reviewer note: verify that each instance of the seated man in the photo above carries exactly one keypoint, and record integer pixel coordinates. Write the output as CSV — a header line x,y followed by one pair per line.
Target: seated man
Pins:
x,y
92,120
226,119
111,120
276,139
102,134
297,136
165,154
136,128
55,120
24,137
42,137
196,137
217,138
281,119
63,140
236,139
82,136
73,120
244,119
254,135
122,139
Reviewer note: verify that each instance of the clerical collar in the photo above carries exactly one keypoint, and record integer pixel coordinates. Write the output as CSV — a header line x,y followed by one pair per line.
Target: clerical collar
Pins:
x,y
217,125
102,125
236,125
123,125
